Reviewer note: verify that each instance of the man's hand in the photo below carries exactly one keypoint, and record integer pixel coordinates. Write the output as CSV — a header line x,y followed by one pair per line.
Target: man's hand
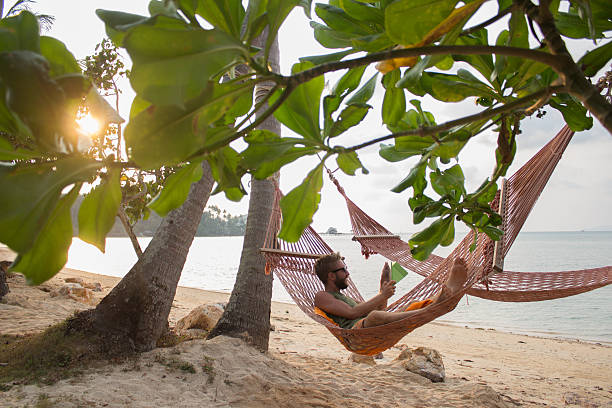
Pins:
x,y
387,289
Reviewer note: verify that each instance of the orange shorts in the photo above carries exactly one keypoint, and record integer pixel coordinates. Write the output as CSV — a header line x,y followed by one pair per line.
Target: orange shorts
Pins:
x,y
359,324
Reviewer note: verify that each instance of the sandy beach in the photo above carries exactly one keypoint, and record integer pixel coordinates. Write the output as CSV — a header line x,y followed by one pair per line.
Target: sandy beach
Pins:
x,y
307,367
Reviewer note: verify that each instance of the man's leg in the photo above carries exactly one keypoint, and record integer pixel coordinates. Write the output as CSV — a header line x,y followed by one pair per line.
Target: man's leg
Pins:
x,y
456,279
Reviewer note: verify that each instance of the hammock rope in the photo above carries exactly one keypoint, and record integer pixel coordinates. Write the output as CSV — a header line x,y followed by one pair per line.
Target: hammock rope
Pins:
x,y
293,263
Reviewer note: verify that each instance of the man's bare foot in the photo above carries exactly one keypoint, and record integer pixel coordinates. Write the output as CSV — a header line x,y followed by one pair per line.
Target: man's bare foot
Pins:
x,y
457,275
385,276
455,281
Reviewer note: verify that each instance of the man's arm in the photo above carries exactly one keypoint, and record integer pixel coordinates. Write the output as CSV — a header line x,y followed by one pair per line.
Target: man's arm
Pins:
x,y
329,304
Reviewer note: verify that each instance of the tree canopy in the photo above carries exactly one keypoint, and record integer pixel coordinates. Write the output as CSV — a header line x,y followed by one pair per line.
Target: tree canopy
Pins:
x,y
184,113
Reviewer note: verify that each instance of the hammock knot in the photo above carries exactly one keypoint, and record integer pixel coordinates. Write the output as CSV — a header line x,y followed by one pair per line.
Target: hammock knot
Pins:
x,y
336,182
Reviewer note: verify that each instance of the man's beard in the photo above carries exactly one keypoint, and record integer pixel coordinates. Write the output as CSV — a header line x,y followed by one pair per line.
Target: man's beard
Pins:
x,y
341,283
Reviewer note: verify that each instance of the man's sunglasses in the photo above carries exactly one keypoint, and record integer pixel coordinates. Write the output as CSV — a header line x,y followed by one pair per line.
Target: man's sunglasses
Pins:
x,y
340,269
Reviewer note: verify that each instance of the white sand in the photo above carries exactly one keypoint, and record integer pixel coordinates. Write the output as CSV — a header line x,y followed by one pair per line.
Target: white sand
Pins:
x,y
307,367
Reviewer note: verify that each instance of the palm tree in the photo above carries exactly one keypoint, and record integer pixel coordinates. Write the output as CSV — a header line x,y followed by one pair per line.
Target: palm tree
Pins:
x,y
134,315
248,309
45,20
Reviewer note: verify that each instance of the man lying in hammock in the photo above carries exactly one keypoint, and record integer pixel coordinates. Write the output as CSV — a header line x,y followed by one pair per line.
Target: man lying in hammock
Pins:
x,y
349,314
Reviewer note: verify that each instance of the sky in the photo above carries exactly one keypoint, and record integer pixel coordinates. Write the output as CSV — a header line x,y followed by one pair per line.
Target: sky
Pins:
x,y
577,197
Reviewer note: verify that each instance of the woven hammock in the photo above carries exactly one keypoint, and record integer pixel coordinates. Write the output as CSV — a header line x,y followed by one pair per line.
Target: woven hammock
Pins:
x,y
519,194
293,263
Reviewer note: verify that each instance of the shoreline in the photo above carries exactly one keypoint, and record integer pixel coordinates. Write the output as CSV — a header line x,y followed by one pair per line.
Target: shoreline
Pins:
x,y
484,367
441,321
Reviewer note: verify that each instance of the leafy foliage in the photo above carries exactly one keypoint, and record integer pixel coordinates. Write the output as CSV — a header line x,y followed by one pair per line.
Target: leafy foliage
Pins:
x,y
195,97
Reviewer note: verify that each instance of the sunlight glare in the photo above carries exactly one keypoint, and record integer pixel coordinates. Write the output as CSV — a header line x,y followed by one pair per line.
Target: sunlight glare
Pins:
x,y
89,125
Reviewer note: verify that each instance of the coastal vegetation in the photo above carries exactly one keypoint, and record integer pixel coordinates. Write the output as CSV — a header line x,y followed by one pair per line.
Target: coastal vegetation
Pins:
x,y
193,101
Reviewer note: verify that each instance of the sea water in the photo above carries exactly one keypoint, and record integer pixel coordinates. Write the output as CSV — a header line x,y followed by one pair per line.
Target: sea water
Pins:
x,y
213,262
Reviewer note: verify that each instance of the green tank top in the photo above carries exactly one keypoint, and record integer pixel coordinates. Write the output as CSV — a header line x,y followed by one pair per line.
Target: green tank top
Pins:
x,y
343,321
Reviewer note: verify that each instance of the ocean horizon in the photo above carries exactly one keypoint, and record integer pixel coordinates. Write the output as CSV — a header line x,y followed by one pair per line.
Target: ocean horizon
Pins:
x,y
213,262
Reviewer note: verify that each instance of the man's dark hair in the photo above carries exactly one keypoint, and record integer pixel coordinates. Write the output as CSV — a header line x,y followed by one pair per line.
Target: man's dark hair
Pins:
x,y
321,266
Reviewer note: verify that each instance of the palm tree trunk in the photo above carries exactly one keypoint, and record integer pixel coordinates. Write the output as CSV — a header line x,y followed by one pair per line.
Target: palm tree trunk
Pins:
x,y
247,314
134,314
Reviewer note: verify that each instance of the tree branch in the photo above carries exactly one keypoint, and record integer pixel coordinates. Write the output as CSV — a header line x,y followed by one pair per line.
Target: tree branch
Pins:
x,y
487,114
490,21
283,96
571,75
552,60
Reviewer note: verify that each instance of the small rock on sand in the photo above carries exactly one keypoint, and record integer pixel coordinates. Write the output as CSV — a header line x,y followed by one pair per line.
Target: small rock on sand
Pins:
x,y
203,317
423,361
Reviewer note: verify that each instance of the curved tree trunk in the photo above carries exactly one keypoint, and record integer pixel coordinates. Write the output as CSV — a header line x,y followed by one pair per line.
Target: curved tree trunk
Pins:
x,y
135,313
247,314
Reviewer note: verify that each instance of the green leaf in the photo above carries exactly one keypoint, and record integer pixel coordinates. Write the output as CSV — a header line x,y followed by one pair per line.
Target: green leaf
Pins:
x,y
164,8
35,190
423,243
422,15
226,15
338,20
118,23
397,272
49,252
322,59
264,146
98,210
453,88
350,116
345,85
418,171
449,182
363,95
300,204
330,38
8,152
518,37
38,100
349,163
267,168
172,65
60,60
166,135
596,59
11,124
364,12
423,206
448,234
482,63
300,111
19,33
413,145
488,195
572,26
525,72
176,188
499,73
257,19
277,11
307,6
224,168
372,43
138,105
394,102
391,154
430,233
451,144
494,233
574,113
